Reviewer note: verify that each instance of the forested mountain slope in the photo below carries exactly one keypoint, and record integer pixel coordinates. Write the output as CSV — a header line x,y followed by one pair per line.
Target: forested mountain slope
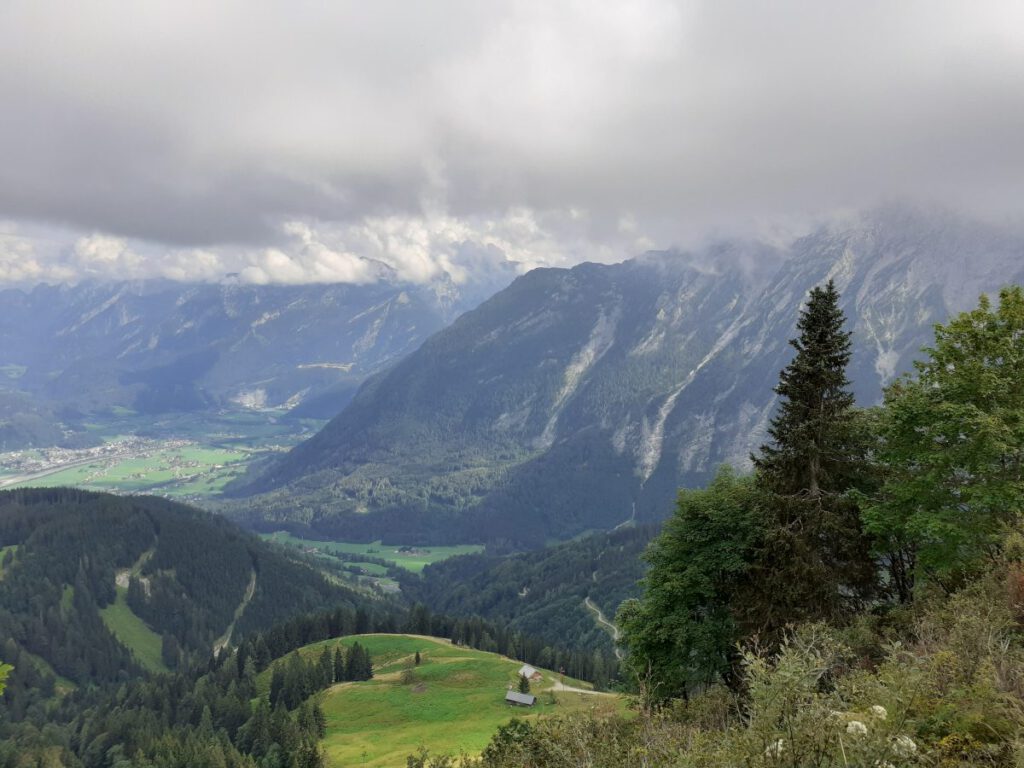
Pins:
x,y
578,399
542,593
94,588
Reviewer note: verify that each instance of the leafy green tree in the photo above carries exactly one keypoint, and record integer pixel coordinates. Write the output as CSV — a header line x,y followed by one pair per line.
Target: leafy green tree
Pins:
x,y
319,721
682,633
814,562
953,446
5,670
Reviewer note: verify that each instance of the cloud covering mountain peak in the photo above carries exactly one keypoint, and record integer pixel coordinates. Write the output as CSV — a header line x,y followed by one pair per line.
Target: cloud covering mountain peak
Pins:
x,y
554,131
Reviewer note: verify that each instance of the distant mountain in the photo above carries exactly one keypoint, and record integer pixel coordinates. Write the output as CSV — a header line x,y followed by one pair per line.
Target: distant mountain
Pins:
x,y
579,398
160,346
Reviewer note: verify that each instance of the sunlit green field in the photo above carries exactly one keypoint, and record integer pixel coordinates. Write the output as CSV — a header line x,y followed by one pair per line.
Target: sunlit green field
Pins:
x,y
455,703
413,560
187,471
133,633
219,448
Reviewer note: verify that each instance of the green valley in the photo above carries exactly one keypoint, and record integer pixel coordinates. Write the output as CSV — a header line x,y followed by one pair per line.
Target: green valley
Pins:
x,y
190,457
407,557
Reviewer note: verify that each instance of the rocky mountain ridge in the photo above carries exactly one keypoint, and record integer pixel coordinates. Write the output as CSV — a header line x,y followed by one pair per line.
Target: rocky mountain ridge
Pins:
x,y
577,399
159,346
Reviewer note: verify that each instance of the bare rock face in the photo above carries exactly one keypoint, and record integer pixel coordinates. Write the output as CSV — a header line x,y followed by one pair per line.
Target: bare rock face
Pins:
x,y
578,399
162,346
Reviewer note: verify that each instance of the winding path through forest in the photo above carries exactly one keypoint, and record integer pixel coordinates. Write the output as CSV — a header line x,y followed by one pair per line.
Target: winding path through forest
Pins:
x,y
615,632
224,639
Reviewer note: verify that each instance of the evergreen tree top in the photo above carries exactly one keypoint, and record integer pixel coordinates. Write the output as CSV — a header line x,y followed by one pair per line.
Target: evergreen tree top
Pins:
x,y
806,451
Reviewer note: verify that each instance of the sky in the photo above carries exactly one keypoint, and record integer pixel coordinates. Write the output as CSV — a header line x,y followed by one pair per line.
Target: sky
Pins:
x,y
297,141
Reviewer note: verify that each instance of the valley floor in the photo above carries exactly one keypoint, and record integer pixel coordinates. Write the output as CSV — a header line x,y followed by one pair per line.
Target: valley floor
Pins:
x,y
189,457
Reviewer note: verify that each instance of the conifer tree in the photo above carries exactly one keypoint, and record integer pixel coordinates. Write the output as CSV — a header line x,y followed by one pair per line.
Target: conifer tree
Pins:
x,y
325,669
814,562
807,453
276,684
524,684
339,665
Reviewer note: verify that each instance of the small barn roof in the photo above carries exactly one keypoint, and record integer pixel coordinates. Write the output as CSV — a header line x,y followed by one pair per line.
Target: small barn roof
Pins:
x,y
520,698
527,671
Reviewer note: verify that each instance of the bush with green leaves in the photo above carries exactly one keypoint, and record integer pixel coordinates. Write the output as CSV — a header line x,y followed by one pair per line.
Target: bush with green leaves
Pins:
x,y
953,448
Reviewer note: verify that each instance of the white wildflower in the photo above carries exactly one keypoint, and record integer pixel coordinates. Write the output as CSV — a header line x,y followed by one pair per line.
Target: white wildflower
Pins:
x,y
857,728
776,748
904,746
879,711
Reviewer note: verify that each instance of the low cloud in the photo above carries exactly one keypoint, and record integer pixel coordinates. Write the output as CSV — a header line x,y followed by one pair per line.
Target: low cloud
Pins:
x,y
415,249
339,141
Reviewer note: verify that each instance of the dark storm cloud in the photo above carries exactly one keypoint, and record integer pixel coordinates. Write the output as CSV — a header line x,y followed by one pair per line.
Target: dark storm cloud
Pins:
x,y
580,128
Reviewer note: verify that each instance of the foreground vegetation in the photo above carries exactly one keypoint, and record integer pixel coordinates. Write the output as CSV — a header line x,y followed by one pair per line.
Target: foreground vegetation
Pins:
x,y
858,600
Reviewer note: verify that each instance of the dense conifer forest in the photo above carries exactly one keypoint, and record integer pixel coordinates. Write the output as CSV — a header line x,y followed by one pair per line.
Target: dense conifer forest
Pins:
x,y
76,695
542,593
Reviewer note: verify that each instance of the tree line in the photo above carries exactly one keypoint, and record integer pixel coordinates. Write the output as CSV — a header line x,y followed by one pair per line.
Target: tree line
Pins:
x,y
294,680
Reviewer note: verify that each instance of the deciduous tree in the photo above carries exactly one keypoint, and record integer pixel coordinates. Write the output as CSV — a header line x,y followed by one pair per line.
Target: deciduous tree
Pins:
x,y
953,447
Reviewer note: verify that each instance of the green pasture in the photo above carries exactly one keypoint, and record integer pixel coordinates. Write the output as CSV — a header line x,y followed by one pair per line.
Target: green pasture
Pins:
x,y
133,633
414,560
455,701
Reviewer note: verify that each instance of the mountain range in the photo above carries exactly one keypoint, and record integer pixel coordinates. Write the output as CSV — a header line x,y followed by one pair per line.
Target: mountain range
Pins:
x,y
581,399
161,346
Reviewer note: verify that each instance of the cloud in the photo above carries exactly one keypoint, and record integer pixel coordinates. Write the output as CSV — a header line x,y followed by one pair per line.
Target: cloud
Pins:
x,y
416,249
195,136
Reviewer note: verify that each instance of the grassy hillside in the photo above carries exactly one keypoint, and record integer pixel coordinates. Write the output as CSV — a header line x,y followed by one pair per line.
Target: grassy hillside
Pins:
x,y
133,633
455,701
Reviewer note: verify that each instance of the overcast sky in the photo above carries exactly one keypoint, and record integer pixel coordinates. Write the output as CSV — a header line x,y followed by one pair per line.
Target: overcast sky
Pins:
x,y
296,141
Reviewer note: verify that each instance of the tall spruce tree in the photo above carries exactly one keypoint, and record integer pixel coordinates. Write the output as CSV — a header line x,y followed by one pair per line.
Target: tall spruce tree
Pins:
x,y
808,454
814,562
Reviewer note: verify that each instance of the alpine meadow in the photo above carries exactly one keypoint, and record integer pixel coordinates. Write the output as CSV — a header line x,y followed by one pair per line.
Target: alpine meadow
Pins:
x,y
635,384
